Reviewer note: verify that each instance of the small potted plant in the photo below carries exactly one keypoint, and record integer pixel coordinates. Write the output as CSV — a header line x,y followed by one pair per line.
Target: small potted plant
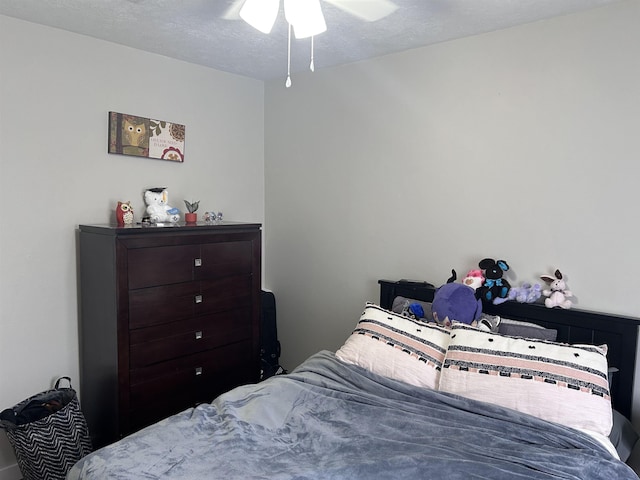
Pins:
x,y
191,216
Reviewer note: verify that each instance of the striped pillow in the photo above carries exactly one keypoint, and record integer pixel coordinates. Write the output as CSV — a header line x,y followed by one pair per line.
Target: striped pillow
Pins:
x,y
565,384
397,347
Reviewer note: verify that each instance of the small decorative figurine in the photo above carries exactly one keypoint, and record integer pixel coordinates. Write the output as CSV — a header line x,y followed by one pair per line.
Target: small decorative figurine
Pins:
x,y
191,216
124,213
157,208
213,217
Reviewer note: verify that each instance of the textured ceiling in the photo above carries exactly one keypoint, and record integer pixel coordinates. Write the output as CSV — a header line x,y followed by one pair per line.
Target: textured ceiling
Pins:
x,y
201,32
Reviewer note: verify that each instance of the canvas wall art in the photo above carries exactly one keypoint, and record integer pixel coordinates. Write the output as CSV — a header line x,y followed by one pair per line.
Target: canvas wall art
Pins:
x,y
145,137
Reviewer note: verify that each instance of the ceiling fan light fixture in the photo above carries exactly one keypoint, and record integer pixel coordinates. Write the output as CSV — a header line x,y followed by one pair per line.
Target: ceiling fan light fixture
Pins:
x,y
305,16
260,14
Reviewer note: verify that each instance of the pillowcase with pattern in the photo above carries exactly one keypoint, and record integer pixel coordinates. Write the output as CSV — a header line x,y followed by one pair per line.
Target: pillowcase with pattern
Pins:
x,y
561,383
397,347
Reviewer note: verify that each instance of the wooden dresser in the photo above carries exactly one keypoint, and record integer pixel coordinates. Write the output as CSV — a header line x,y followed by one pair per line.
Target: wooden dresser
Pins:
x,y
169,318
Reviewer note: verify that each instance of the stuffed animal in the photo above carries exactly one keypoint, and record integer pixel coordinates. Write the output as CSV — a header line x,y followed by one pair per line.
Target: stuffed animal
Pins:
x,y
474,279
495,288
526,293
489,323
414,310
157,208
557,293
455,302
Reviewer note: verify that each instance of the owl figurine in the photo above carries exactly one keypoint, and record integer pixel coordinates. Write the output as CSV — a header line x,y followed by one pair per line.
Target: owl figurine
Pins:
x,y
124,213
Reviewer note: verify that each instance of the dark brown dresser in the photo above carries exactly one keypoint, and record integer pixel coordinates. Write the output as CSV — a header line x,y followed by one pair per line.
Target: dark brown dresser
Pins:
x,y
169,318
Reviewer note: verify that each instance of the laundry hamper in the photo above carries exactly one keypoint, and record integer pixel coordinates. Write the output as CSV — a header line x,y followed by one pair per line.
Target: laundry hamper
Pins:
x,y
48,433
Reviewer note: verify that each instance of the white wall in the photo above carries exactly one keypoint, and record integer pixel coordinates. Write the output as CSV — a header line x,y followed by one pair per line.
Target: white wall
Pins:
x,y
520,144
56,89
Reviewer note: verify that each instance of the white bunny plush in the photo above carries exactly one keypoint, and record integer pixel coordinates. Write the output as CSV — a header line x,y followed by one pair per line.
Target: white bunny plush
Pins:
x,y
557,293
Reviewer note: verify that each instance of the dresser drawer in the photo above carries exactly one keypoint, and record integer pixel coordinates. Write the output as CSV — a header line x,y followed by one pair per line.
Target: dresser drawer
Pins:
x,y
171,379
186,393
169,303
161,265
181,263
164,342
158,305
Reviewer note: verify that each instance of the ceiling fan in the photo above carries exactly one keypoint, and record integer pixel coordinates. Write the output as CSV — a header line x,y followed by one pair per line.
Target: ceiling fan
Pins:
x,y
304,17
366,10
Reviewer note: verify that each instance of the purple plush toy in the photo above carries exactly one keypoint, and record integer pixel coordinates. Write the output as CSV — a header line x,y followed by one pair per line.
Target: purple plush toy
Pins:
x,y
455,302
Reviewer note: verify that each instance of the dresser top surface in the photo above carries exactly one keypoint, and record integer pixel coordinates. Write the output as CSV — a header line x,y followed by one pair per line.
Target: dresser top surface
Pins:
x,y
138,228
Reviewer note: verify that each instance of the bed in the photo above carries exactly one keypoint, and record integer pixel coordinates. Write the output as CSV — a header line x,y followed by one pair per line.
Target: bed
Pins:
x,y
391,403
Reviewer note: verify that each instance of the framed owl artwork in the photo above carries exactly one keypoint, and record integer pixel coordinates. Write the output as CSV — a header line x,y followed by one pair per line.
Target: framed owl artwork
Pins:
x,y
145,137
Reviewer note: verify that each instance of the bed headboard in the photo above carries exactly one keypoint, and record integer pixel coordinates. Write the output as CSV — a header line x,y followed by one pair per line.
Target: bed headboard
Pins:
x,y
620,333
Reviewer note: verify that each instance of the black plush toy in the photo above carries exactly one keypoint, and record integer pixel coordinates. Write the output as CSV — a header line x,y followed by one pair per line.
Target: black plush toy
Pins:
x,y
495,288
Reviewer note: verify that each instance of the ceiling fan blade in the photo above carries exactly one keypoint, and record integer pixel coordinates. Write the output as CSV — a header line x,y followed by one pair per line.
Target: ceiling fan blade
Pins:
x,y
260,14
233,12
367,10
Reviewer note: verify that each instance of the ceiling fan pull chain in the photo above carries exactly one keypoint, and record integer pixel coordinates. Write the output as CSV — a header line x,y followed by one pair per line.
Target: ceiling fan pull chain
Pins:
x,y
311,65
288,82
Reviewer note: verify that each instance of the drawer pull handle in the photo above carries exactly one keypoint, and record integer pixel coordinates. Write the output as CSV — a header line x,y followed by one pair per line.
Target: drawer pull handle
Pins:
x,y
197,262
198,298
198,370
198,335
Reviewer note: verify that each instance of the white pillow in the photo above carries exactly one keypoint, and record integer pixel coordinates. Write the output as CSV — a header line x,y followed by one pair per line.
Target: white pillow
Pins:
x,y
565,384
397,347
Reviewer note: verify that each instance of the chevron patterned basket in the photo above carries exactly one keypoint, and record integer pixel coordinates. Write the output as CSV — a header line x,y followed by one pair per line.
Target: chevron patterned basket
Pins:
x,y
48,447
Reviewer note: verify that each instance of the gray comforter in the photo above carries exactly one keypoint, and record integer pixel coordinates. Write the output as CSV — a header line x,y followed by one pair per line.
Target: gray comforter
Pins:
x,y
329,420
